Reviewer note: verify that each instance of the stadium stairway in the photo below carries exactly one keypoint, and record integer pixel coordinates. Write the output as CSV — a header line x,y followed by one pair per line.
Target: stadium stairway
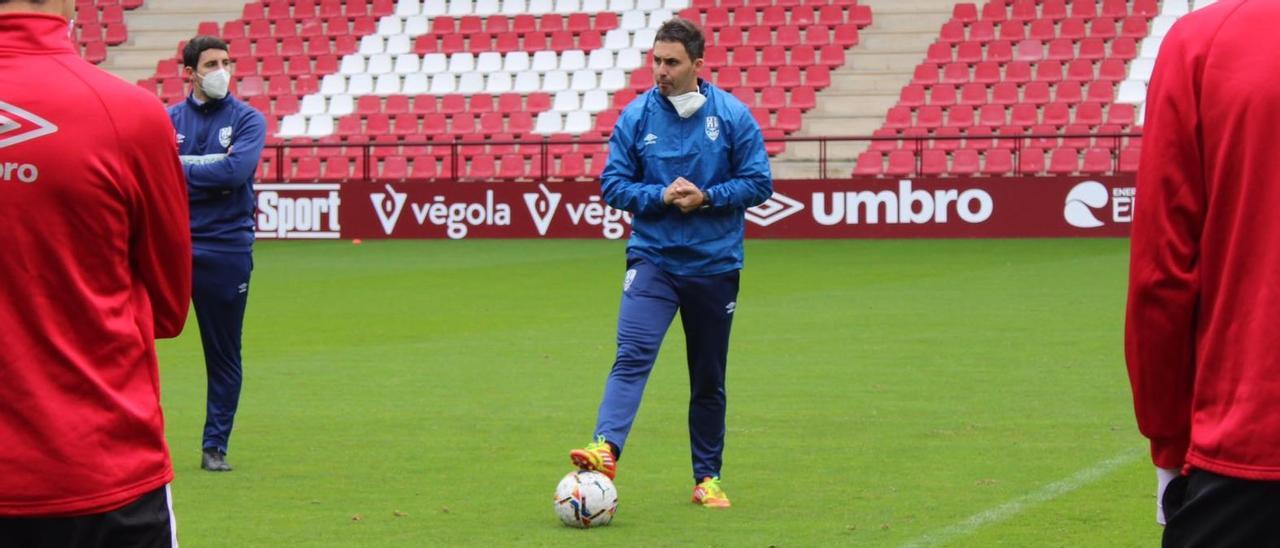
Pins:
x,y
157,27
867,85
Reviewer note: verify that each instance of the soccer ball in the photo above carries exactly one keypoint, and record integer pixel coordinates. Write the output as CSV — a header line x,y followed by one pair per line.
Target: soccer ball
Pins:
x,y
586,499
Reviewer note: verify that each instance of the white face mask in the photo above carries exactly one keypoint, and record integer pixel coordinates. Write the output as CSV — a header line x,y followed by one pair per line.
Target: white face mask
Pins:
x,y
215,83
688,103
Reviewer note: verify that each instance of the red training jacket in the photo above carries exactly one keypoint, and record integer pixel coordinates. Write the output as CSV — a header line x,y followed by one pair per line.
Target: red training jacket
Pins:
x,y
1202,335
95,263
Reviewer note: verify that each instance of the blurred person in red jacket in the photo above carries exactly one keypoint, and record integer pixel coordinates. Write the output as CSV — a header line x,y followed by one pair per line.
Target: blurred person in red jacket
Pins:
x,y
95,265
1202,335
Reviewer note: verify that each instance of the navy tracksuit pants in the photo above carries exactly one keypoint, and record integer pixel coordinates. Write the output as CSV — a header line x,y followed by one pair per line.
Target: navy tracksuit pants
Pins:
x,y
220,290
650,299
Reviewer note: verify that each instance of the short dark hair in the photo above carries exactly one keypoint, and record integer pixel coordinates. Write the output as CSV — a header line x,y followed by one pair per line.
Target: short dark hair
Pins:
x,y
191,52
684,32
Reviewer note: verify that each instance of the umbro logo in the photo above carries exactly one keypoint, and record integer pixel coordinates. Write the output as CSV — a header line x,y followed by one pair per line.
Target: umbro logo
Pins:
x,y
18,125
650,139
776,208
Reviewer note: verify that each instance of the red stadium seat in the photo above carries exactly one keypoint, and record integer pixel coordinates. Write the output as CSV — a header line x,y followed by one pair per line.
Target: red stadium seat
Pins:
x,y
965,162
1031,161
901,162
934,162
1097,160
960,116
870,162
946,138
942,95
998,161
1129,159
1064,161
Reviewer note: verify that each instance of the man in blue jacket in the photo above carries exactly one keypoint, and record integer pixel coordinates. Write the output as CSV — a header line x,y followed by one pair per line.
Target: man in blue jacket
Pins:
x,y
219,142
687,160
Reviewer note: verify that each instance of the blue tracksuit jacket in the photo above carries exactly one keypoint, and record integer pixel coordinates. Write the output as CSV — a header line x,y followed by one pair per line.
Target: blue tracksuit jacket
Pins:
x,y
719,148
220,143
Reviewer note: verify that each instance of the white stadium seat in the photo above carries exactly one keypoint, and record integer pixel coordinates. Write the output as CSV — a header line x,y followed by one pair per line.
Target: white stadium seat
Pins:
x,y
574,59
312,105
489,61
566,7
416,84
545,61
498,82
617,39
372,44
600,59
406,8
408,63
333,84
1150,47
390,25
1160,25
387,84
352,64
540,7
1176,8
1132,92
458,8
513,7
577,122
434,8
398,44
596,100
643,39
379,64
443,84
676,5
657,18
360,84
320,126
548,122
471,83
632,21
630,59
555,81
595,6
341,105
293,125
566,101
583,80
434,62
416,26
622,6
527,82
1140,69
516,61
485,8
462,62
648,5
613,80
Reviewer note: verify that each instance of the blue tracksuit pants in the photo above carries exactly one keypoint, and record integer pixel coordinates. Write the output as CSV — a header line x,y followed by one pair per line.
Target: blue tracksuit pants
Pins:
x,y
650,299
220,290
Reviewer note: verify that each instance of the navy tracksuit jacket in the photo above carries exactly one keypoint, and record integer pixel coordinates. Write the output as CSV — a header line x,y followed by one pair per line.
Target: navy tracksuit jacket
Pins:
x,y
219,143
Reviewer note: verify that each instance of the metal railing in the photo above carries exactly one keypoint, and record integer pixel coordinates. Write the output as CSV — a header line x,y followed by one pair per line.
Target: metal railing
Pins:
x,y
547,146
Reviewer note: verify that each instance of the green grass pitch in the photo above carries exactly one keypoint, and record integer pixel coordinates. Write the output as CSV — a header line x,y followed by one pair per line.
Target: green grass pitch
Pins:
x,y
881,393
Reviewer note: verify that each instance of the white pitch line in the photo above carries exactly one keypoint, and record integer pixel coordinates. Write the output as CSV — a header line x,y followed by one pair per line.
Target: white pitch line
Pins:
x,y
1018,505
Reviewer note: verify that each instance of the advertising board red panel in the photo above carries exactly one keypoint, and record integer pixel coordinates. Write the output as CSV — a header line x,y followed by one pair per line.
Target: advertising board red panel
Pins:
x,y
851,208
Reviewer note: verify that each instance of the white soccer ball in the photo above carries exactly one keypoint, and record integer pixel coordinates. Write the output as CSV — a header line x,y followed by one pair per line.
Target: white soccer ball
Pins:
x,y
586,499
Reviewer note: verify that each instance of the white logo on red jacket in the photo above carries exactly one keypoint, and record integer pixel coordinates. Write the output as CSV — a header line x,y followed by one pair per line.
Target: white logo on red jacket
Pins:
x,y
17,125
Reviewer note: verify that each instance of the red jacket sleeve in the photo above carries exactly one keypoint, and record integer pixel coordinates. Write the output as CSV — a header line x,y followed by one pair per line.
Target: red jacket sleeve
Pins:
x,y
160,247
1164,258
